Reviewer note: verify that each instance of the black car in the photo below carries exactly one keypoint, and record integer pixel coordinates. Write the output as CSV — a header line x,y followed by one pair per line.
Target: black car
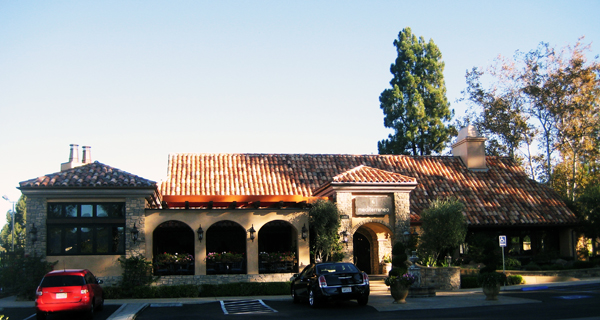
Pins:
x,y
330,281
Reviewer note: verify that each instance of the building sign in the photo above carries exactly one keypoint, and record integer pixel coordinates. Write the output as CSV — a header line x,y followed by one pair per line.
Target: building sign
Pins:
x,y
373,206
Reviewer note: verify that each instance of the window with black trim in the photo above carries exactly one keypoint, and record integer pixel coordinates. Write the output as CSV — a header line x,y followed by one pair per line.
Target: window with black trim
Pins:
x,y
86,228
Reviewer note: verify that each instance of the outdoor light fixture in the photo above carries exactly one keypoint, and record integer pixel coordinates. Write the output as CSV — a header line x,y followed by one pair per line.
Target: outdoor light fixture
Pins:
x,y
33,233
304,232
345,237
200,233
134,233
252,231
449,260
406,236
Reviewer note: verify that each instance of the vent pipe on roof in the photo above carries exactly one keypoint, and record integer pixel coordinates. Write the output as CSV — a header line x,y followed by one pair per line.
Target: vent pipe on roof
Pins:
x,y
73,158
87,154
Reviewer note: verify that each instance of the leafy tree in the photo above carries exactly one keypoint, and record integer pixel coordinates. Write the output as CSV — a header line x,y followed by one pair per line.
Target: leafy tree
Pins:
x,y
20,232
415,107
587,209
444,227
502,118
545,95
324,225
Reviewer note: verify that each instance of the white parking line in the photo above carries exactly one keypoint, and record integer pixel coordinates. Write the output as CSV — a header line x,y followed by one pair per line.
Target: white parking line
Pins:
x,y
245,307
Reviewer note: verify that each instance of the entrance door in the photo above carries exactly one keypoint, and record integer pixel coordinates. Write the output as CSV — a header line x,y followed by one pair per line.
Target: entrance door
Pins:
x,y
362,253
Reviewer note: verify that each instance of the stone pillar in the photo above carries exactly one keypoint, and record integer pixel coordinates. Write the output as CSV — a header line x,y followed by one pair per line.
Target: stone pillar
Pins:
x,y
344,205
402,217
36,215
135,213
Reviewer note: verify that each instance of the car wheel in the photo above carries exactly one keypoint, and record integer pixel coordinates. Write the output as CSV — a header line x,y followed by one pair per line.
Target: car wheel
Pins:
x,y
312,299
41,315
295,296
90,314
100,307
362,301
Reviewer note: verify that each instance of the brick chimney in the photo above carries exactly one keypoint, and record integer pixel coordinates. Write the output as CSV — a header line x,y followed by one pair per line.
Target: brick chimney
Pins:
x,y
470,147
87,154
73,158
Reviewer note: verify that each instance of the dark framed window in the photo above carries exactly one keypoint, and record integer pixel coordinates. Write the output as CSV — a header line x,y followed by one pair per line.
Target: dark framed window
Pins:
x,y
86,228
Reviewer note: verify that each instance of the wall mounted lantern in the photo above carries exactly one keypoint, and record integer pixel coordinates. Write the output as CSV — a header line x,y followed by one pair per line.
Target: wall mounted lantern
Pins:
x,y
345,237
304,232
134,233
252,231
200,233
33,233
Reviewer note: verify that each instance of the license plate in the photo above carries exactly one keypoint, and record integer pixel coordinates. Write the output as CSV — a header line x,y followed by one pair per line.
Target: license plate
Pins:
x,y
61,295
346,290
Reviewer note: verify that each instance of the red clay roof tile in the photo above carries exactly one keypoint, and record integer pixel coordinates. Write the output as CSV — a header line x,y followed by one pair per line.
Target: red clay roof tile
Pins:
x,y
95,175
501,195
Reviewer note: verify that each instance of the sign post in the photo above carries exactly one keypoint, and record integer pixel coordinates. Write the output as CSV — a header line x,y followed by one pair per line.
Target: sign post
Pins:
x,y
502,241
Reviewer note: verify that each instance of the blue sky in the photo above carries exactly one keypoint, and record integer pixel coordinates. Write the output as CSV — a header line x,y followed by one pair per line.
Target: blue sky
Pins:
x,y
137,80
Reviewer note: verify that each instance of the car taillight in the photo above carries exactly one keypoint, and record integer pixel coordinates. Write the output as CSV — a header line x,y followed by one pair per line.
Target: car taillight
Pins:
x,y
365,278
38,292
322,282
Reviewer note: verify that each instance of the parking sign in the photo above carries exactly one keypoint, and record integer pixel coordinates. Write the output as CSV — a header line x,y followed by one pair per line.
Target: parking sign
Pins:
x,y
503,241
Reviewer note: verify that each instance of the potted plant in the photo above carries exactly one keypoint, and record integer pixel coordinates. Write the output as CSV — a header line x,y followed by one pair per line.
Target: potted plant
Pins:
x,y
399,284
387,263
490,283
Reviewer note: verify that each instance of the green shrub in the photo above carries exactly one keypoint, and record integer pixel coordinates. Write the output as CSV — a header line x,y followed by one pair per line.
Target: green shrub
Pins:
x,y
513,264
245,289
397,271
21,275
137,277
582,264
491,278
532,266
514,279
181,291
467,282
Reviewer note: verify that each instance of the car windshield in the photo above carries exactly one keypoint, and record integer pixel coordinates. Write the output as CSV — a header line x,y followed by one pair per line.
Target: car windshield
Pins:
x,y
336,268
62,281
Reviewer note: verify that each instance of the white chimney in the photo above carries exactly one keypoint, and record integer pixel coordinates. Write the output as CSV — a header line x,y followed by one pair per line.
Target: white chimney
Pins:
x,y
470,147
73,158
87,154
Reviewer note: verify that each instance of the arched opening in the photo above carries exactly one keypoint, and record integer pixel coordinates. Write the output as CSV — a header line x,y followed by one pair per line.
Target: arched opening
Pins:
x,y
225,248
371,244
362,252
173,248
278,247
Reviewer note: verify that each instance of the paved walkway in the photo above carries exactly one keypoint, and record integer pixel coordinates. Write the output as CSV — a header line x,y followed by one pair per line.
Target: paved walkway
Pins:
x,y
379,299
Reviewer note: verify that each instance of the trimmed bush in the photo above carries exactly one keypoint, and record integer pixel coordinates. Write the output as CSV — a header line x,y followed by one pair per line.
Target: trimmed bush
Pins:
x,y
582,264
514,279
532,266
467,282
245,289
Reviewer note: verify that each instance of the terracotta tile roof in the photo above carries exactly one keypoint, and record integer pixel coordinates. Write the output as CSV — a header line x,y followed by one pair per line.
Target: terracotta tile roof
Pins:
x,y
95,175
502,195
364,174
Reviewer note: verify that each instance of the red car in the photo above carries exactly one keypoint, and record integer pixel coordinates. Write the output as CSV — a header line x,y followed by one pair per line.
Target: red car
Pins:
x,y
68,290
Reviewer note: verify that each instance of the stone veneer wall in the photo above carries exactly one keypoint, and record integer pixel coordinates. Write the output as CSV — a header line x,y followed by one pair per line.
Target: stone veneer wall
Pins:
x,y
36,215
135,214
402,217
209,279
445,278
344,205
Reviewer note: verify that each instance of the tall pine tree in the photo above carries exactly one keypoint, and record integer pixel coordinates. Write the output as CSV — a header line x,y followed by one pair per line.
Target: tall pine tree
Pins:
x,y
416,106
